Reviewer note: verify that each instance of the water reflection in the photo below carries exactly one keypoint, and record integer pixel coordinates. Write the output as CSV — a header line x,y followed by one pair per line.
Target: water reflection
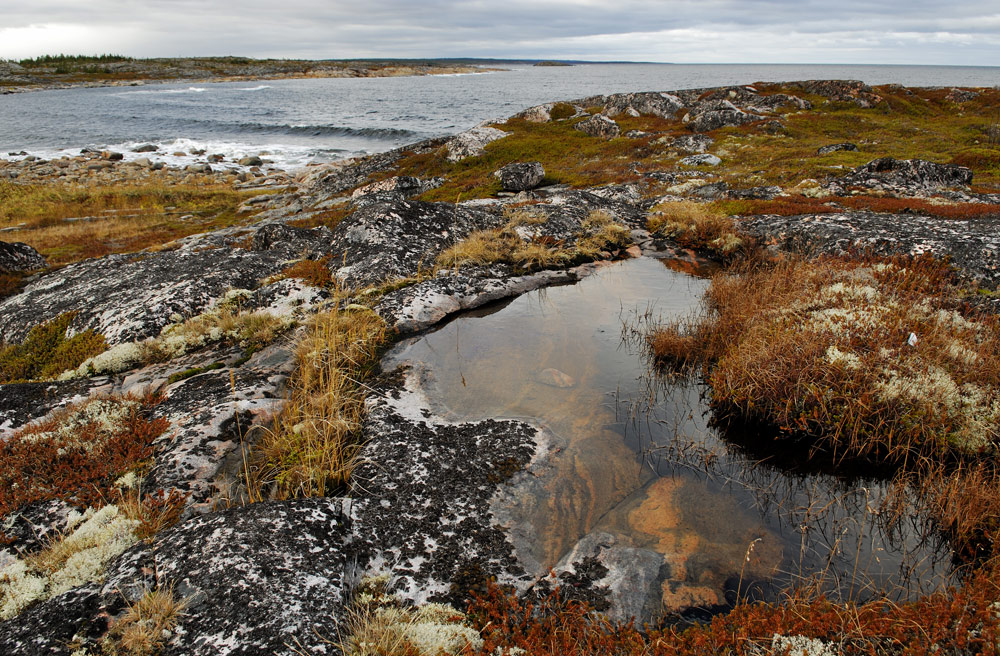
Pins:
x,y
633,456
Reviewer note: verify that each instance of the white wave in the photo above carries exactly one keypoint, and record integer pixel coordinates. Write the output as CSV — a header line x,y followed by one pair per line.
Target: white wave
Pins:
x,y
148,92
259,87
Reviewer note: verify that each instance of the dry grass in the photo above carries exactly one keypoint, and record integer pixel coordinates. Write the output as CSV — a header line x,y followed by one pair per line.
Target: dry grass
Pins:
x,y
696,225
141,631
311,449
70,223
821,350
599,233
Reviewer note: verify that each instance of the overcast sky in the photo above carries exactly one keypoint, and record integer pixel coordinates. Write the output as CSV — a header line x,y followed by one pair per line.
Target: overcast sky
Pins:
x,y
964,32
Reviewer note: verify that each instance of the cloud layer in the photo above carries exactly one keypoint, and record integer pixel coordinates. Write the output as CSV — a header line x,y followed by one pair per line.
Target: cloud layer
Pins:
x,y
683,31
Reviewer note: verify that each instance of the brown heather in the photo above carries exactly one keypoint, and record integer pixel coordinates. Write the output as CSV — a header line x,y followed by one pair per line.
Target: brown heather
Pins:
x,y
78,466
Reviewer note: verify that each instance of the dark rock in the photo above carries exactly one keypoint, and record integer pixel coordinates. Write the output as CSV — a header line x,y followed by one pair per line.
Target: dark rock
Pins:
x,y
215,158
832,148
307,241
424,504
21,403
521,176
718,114
853,91
145,148
961,95
111,156
263,579
18,256
754,193
711,191
600,126
908,175
251,160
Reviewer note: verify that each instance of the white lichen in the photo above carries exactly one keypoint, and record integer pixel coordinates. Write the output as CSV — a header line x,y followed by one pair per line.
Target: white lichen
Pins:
x,y
78,558
798,645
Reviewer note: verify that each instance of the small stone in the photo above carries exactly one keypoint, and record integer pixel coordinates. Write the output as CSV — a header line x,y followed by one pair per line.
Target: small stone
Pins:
x,y
832,148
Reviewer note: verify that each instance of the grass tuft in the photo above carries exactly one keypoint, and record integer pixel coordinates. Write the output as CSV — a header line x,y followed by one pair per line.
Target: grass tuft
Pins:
x,y
141,631
699,226
311,449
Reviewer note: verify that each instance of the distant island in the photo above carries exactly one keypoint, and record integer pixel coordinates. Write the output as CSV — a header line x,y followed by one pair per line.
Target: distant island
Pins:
x,y
64,71
553,63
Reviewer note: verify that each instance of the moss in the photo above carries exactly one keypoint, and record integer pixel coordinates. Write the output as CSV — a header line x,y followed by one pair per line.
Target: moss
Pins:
x,y
193,371
47,351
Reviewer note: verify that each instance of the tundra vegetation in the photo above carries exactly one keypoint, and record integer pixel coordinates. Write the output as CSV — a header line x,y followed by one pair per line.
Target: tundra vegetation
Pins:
x,y
818,349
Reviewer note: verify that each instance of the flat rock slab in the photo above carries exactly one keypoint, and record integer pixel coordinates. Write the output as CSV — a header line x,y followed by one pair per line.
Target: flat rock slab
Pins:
x,y
261,580
130,297
424,489
972,244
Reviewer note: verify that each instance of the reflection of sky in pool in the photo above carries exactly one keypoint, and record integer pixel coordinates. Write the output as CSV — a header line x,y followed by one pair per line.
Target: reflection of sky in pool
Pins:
x,y
634,457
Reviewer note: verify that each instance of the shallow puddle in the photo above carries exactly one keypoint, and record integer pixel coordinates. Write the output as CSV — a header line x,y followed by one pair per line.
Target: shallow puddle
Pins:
x,y
632,459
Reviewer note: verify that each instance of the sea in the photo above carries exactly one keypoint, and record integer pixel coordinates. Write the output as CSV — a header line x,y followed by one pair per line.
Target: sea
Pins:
x,y
295,123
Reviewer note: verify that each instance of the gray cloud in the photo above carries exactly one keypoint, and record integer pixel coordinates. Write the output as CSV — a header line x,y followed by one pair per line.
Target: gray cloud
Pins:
x,y
850,31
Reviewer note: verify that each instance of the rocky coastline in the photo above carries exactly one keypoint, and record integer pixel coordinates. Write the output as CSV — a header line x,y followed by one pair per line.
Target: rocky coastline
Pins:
x,y
36,76
426,501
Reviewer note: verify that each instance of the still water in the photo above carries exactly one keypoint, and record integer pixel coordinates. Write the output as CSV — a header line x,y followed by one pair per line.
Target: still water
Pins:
x,y
633,455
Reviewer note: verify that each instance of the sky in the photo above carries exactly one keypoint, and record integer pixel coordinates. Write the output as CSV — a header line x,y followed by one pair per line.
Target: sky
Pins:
x,y
955,32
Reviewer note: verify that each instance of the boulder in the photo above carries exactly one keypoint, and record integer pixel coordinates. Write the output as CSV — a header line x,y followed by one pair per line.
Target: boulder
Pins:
x,y
472,143
961,95
717,114
599,126
908,175
705,159
111,155
521,176
251,160
832,148
690,143
18,257
537,114
663,105
404,186
853,91
145,148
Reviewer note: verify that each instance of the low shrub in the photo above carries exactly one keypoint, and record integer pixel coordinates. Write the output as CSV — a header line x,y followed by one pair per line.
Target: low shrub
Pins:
x,y
823,349
315,272
78,455
47,351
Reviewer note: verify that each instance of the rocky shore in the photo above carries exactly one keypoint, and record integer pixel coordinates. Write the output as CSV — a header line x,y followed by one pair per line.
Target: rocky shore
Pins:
x,y
425,502
65,73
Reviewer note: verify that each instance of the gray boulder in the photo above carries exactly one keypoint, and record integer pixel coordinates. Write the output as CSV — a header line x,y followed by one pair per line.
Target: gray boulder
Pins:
x,y
832,148
251,160
145,148
472,143
18,257
691,143
404,186
599,126
663,105
705,159
521,176
719,114
853,91
908,174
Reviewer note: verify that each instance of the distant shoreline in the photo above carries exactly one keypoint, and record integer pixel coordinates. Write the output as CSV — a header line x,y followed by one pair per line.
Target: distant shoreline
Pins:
x,y
84,73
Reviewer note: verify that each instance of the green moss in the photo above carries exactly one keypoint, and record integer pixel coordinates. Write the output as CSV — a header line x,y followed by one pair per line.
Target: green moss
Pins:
x,y
193,371
47,351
